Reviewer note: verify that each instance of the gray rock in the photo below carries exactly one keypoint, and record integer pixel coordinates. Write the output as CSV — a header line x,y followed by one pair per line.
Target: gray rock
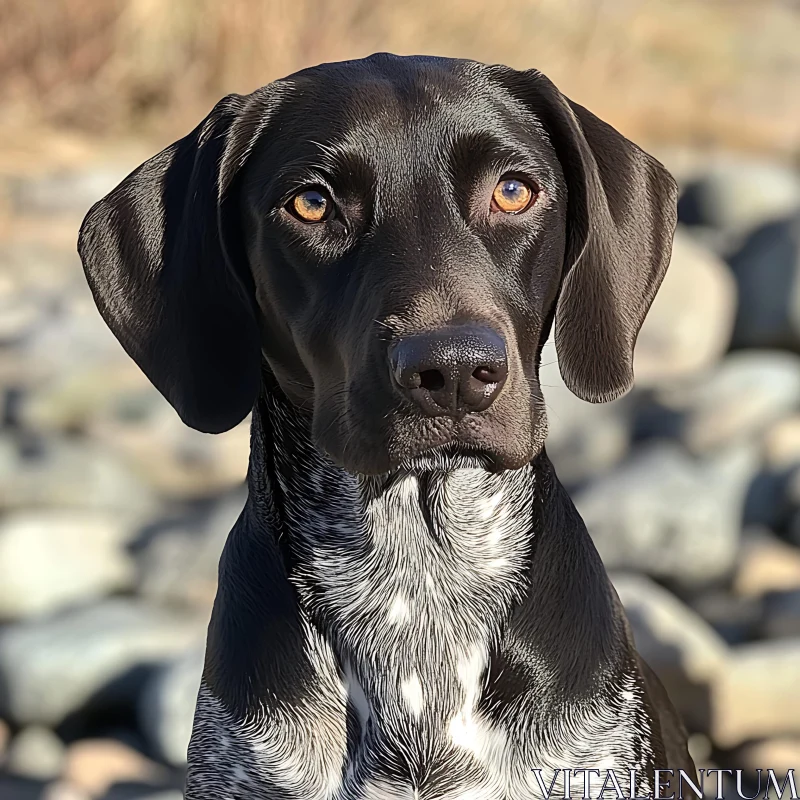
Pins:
x,y
782,615
737,401
65,191
767,269
737,194
179,565
18,317
49,559
584,439
36,752
166,707
685,652
67,473
757,695
97,655
13,788
690,323
736,619
669,515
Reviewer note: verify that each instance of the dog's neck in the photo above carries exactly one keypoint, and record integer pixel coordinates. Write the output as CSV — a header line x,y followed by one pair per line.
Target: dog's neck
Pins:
x,y
435,616
432,561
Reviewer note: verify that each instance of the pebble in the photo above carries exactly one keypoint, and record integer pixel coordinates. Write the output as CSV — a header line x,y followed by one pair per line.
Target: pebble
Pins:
x,y
766,564
767,273
66,191
668,515
747,393
63,473
756,696
584,439
61,790
54,558
779,754
690,323
782,615
95,765
737,194
166,707
89,656
178,565
35,752
684,651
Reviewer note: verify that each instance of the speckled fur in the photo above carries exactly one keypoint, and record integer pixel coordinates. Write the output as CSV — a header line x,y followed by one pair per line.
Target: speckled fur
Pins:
x,y
406,584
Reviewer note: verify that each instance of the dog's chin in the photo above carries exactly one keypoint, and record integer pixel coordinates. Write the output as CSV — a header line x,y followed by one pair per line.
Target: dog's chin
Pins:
x,y
447,454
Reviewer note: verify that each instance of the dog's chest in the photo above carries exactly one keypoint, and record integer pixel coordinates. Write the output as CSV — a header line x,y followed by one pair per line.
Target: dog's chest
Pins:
x,y
405,591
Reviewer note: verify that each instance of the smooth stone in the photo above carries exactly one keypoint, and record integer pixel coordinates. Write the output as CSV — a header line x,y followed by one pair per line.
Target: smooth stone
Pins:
x,y
93,656
584,439
68,473
782,615
767,269
61,790
684,651
167,705
35,752
175,460
779,754
738,194
742,397
781,444
178,564
55,558
736,619
689,325
669,515
15,788
18,318
95,765
756,696
766,564
65,191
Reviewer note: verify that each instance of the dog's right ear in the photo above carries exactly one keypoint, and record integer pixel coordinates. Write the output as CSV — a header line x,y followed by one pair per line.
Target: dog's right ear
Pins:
x,y
165,263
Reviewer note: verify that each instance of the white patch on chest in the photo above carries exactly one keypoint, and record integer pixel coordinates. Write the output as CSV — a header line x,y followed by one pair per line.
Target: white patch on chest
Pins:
x,y
411,689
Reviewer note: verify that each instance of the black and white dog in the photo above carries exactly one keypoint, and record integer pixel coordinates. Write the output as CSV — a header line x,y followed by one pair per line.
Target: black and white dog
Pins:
x,y
370,256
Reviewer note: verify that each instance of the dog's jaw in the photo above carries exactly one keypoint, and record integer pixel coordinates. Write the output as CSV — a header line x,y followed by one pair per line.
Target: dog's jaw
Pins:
x,y
405,585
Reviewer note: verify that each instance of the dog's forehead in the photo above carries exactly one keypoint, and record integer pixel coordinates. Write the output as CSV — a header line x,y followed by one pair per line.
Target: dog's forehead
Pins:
x,y
413,102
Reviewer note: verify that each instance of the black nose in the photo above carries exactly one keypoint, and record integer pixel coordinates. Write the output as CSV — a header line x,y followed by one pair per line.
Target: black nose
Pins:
x,y
451,371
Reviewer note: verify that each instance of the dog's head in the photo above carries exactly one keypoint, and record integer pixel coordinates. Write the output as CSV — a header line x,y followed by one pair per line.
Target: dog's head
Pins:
x,y
394,238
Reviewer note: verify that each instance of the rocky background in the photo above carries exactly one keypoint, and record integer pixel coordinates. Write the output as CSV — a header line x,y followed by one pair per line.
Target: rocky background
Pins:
x,y
113,514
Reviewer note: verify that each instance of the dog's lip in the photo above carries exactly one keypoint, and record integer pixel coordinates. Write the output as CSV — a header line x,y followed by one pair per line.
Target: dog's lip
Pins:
x,y
447,455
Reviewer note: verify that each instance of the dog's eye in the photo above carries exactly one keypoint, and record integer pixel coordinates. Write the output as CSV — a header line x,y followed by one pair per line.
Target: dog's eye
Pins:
x,y
512,196
311,205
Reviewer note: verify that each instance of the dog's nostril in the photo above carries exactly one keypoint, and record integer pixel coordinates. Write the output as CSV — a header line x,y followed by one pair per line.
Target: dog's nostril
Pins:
x,y
432,380
486,374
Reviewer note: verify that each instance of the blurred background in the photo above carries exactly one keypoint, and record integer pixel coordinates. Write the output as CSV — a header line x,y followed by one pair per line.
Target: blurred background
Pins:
x,y
112,514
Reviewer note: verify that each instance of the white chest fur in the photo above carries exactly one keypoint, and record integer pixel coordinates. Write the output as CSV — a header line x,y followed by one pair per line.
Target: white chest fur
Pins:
x,y
413,582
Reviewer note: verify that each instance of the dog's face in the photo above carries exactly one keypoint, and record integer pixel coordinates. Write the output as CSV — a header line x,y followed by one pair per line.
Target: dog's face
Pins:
x,y
393,237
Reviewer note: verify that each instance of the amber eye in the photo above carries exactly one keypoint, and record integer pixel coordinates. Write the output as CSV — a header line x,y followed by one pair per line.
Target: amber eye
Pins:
x,y
311,205
512,196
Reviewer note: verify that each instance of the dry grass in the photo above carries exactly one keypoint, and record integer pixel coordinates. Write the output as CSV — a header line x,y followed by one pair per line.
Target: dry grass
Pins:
x,y
695,71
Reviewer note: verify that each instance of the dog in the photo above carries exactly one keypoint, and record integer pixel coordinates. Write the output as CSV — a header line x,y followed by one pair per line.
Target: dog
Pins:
x,y
370,256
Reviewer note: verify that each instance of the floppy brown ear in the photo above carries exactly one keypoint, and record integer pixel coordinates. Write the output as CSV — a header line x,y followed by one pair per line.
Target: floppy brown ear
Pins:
x,y
621,216
165,264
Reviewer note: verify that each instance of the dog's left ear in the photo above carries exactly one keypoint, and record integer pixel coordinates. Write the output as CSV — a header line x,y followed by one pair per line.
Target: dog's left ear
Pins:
x,y
621,216
164,259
